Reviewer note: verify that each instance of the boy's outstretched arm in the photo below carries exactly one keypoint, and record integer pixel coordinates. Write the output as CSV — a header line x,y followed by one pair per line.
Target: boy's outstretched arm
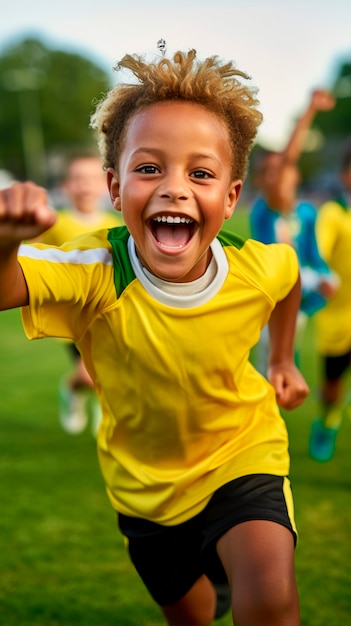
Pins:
x,y
290,386
24,215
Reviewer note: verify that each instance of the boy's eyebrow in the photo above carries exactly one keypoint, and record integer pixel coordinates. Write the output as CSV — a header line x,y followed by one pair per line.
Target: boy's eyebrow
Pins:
x,y
159,151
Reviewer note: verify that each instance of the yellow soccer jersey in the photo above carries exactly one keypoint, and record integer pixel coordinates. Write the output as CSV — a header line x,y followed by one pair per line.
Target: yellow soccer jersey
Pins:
x,y
71,224
333,327
184,411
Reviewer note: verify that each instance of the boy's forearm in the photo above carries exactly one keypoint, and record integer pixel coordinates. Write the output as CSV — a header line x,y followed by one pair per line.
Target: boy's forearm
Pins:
x,y
295,145
13,287
282,325
24,215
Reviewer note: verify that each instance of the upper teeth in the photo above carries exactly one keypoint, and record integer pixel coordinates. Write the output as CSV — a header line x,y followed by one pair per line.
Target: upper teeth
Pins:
x,y
173,220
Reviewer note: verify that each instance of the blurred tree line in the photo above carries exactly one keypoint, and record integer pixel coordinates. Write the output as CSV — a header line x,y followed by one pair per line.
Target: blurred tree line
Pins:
x,y
47,97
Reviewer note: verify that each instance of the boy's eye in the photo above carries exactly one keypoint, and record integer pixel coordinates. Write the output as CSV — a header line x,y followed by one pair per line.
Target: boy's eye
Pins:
x,y
201,174
148,169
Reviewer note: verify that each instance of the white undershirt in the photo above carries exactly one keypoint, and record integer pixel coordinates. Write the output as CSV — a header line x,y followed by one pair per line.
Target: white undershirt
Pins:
x,y
183,295
184,289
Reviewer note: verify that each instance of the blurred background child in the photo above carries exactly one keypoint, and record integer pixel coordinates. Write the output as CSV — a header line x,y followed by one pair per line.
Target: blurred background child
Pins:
x,y
85,191
333,326
279,216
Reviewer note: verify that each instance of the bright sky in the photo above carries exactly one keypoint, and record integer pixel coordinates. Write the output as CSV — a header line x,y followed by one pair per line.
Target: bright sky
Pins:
x,y
288,47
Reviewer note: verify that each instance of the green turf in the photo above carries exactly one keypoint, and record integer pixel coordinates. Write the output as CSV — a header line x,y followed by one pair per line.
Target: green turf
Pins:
x,y
62,559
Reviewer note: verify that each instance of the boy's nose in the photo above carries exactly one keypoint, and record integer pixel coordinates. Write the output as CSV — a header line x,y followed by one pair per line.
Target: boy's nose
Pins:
x,y
174,188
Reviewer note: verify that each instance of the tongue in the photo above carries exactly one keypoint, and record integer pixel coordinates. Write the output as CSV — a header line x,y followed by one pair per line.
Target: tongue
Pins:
x,y
172,236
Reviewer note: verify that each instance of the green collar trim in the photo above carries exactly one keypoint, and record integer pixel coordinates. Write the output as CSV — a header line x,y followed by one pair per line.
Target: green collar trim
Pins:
x,y
123,271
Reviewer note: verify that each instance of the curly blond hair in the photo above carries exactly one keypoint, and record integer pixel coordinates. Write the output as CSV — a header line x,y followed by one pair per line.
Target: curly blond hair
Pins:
x,y
210,83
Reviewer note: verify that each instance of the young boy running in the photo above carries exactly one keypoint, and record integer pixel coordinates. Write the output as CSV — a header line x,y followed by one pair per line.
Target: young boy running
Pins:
x,y
165,311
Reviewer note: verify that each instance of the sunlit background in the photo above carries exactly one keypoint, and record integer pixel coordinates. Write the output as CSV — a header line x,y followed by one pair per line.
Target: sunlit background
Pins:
x,y
287,47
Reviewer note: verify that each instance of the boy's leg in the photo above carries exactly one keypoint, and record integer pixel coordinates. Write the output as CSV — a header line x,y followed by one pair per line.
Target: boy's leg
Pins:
x,y
74,392
258,557
168,561
172,560
80,378
196,608
325,428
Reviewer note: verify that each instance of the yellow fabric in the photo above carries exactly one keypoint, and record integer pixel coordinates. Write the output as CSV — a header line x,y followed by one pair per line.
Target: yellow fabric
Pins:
x,y
184,411
289,502
333,322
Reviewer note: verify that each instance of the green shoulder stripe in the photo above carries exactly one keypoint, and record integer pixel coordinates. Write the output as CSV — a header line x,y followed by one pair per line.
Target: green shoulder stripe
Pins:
x,y
227,238
123,271
341,200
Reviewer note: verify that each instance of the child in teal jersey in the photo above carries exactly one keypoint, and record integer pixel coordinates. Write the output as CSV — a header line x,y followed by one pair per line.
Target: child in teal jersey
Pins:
x,y
165,311
279,215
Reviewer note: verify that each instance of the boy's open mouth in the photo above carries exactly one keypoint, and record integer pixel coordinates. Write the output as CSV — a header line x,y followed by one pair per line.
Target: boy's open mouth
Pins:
x,y
172,232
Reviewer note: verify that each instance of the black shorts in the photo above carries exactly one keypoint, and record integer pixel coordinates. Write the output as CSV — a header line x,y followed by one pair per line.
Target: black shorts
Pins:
x,y
335,366
169,559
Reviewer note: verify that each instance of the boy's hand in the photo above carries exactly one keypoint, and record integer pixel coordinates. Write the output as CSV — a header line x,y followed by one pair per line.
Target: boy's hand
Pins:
x,y
24,213
329,285
322,100
290,386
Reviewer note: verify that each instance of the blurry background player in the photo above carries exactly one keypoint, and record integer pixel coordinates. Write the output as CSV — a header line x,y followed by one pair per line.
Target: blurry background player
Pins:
x,y
333,323
85,189
278,216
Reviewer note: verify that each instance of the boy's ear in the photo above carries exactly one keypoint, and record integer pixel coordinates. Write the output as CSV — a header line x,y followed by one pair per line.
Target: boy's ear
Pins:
x,y
233,197
113,187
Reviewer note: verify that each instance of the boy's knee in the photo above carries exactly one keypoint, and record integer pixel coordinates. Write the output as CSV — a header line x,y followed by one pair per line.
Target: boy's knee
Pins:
x,y
268,601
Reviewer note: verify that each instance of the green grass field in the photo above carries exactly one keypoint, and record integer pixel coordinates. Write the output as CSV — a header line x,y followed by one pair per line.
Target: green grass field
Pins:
x,y
62,559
